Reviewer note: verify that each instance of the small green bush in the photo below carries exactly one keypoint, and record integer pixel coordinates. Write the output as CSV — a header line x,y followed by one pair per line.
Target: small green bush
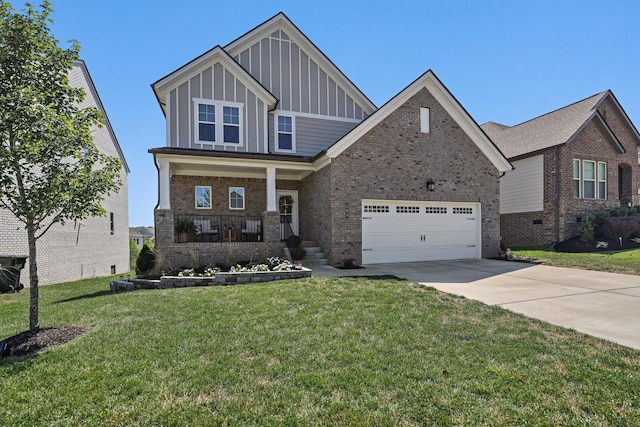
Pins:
x,y
146,261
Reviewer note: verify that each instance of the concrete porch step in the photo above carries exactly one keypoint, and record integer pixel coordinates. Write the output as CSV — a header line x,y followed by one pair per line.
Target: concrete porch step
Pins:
x,y
314,262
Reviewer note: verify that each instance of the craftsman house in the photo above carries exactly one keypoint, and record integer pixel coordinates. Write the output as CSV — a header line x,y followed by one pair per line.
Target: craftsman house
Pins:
x,y
92,247
266,138
577,160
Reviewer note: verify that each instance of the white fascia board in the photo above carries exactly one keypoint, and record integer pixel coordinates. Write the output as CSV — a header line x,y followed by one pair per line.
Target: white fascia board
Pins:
x,y
429,81
195,67
282,22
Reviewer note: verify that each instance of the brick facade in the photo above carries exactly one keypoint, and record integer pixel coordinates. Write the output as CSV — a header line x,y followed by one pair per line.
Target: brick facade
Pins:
x,y
562,212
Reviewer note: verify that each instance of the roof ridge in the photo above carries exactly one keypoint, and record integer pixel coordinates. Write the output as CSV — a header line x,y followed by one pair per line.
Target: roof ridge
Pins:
x,y
561,108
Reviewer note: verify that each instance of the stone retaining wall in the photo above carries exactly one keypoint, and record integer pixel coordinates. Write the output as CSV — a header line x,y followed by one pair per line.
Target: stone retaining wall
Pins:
x,y
220,279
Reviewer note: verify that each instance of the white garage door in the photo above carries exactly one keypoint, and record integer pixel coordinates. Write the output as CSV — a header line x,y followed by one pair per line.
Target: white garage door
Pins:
x,y
403,231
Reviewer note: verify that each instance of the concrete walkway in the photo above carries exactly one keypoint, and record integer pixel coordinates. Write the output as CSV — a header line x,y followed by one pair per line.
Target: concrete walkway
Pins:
x,y
604,305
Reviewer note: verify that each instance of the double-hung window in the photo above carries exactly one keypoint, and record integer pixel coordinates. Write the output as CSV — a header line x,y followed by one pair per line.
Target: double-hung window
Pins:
x,y
203,197
236,197
602,180
284,140
218,122
589,179
577,179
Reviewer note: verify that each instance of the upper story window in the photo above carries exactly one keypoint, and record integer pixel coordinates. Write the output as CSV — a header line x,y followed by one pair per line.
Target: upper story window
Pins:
x,y
425,126
203,197
589,179
285,140
218,122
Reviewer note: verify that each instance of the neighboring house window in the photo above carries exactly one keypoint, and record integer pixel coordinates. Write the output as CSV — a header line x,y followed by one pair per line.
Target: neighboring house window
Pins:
x,y
203,197
236,197
602,180
111,223
218,122
424,120
285,133
589,179
576,179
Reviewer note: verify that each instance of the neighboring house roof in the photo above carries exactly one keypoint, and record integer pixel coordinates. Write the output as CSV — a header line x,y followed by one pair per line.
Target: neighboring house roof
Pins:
x,y
282,21
83,67
141,232
451,105
555,128
212,56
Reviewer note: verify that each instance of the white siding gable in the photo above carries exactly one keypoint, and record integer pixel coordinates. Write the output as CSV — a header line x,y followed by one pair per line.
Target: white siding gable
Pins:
x,y
522,189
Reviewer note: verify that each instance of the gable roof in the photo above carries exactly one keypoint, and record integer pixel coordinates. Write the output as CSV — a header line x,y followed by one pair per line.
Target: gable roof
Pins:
x,y
282,22
80,65
428,81
555,128
215,55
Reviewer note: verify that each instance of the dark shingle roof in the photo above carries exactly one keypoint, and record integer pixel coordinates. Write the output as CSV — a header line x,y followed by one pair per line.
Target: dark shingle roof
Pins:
x,y
548,130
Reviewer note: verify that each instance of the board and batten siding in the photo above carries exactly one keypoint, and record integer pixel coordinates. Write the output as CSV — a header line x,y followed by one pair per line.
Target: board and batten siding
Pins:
x,y
522,189
312,134
215,83
296,80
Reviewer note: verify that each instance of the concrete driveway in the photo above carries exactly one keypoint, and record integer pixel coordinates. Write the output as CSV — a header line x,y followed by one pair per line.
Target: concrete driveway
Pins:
x,y
604,305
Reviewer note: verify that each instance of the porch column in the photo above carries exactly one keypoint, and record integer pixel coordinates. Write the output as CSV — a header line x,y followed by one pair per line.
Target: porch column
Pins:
x,y
271,190
163,185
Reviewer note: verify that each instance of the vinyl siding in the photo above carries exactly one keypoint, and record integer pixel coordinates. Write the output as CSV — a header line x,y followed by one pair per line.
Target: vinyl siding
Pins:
x,y
522,189
296,80
218,84
312,135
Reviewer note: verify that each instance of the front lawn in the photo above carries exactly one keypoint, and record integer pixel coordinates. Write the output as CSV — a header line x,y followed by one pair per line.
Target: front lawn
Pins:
x,y
317,351
625,262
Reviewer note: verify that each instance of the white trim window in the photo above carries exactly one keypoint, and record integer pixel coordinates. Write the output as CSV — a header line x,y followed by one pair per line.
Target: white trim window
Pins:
x,y
218,122
285,140
236,198
425,114
602,180
203,197
577,178
589,179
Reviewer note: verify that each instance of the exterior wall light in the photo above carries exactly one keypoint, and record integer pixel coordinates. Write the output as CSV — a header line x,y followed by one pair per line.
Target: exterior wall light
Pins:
x,y
431,186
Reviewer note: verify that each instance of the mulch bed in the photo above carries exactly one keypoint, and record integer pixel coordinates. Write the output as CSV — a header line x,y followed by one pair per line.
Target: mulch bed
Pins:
x,y
575,245
29,343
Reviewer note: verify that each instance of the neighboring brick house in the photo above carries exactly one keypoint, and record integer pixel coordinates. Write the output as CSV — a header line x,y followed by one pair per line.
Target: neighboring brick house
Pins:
x,y
266,137
577,160
88,248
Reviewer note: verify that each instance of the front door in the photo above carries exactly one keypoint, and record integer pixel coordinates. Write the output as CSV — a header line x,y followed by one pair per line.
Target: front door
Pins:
x,y
288,208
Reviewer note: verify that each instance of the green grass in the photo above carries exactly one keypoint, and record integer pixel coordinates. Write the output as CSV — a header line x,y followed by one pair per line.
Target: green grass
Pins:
x,y
625,262
318,351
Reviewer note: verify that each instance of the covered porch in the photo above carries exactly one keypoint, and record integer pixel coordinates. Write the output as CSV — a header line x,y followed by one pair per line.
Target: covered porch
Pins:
x,y
214,203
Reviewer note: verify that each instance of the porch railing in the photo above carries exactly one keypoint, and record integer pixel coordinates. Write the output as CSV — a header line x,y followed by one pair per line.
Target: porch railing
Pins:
x,y
218,228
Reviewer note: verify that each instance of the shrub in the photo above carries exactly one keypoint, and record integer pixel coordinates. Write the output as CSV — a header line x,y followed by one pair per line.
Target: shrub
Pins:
x,y
593,224
625,227
294,241
298,253
146,261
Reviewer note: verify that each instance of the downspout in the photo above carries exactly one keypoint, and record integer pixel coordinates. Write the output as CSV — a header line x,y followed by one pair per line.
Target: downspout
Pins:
x,y
557,195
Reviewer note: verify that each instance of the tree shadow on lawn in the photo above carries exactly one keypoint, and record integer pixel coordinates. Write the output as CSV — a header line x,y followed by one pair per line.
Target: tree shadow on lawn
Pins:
x,y
86,296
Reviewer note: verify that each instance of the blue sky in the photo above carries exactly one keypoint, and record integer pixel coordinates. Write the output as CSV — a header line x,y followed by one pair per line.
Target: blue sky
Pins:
x,y
505,61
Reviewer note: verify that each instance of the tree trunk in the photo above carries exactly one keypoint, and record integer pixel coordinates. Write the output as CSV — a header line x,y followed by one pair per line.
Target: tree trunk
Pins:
x,y
34,321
